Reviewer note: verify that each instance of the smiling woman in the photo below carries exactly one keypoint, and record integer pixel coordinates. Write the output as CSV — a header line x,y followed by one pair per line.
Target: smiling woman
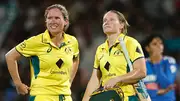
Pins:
x,y
54,59
57,19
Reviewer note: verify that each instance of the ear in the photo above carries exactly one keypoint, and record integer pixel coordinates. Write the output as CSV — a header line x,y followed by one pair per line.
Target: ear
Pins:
x,y
147,49
66,22
66,25
121,25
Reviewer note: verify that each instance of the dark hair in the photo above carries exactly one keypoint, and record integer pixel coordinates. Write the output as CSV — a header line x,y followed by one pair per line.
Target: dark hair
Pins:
x,y
149,39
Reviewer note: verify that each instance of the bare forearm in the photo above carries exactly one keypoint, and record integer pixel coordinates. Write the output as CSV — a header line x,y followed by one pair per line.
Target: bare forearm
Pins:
x,y
138,72
13,69
131,77
92,86
164,91
11,58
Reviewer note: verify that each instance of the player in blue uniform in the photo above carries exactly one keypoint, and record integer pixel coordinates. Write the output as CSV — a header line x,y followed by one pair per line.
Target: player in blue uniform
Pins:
x,y
161,70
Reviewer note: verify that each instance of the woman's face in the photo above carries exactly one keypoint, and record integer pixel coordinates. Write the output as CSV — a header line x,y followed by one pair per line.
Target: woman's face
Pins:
x,y
111,23
156,47
55,21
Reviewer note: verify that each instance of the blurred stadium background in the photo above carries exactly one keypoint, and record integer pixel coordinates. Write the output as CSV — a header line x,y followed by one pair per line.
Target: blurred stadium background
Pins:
x,y
21,19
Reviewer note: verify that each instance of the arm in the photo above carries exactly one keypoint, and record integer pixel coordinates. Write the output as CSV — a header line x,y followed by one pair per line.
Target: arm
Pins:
x,y
74,68
164,81
166,74
93,84
75,60
164,91
133,52
11,58
138,72
132,77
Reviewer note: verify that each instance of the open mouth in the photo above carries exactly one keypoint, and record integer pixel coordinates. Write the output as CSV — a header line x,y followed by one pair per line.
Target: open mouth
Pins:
x,y
53,26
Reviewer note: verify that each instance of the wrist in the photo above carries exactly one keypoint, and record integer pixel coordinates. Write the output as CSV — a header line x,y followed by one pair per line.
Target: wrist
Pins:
x,y
17,82
119,80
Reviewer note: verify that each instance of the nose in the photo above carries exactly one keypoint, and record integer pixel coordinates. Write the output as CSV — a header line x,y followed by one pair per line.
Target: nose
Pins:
x,y
53,20
159,45
106,23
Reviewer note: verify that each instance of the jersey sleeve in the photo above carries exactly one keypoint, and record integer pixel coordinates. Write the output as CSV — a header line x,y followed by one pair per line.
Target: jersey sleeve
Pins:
x,y
134,49
96,60
76,48
26,48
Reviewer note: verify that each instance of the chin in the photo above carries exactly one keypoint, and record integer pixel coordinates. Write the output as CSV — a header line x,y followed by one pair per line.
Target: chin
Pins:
x,y
54,31
107,31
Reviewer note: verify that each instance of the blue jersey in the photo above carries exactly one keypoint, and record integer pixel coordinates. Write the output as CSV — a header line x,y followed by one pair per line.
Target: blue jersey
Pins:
x,y
160,76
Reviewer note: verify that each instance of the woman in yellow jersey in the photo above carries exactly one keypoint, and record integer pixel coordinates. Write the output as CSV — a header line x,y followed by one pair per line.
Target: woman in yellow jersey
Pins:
x,y
54,59
110,66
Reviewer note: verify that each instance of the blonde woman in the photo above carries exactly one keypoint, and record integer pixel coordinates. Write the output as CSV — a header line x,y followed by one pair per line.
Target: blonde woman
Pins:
x,y
110,66
54,59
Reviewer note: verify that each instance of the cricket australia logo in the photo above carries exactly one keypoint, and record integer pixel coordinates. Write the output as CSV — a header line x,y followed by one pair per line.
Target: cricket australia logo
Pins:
x,y
117,52
68,50
49,49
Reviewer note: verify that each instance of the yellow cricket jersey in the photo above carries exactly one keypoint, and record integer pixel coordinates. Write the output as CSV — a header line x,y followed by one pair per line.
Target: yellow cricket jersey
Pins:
x,y
50,65
111,61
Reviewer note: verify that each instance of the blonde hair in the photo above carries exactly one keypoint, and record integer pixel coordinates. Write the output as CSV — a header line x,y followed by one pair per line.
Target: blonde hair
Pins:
x,y
122,19
63,11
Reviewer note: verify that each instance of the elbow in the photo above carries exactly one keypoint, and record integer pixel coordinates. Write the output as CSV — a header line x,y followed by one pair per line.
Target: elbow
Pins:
x,y
7,56
143,74
12,55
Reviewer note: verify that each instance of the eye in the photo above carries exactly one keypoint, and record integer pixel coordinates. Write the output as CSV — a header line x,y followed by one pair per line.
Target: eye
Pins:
x,y
154,44
112,19
57,18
